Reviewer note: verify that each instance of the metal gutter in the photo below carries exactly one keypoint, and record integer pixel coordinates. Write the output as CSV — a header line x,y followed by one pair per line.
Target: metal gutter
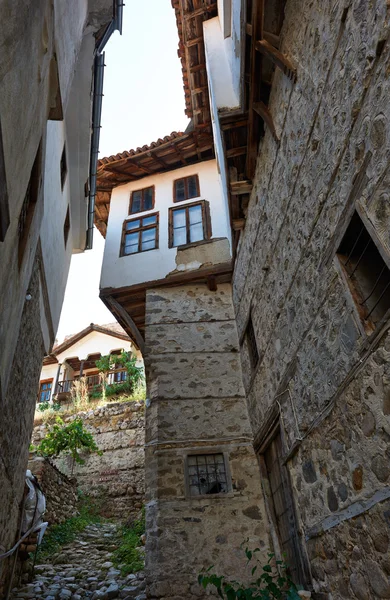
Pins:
x,y
115,25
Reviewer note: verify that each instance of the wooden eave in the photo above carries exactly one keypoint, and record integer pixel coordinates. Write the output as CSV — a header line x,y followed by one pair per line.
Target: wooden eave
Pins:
x,y
68,343
172,152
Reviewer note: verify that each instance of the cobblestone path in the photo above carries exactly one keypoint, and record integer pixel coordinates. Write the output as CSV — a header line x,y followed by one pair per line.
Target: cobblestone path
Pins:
x,y
83,569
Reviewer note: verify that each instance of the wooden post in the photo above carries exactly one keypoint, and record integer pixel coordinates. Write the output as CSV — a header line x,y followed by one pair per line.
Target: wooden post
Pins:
x,y
55,386
81,368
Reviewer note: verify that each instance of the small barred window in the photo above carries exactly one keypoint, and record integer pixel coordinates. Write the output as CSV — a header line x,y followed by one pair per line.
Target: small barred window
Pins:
x,y
207,474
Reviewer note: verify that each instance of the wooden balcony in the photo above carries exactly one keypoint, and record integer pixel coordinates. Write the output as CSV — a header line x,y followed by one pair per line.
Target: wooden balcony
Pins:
x,y
63,388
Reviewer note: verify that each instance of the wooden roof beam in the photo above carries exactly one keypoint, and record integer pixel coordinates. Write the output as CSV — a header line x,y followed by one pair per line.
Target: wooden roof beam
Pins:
x,y
279,59
237,188
233,152
201,11
261,109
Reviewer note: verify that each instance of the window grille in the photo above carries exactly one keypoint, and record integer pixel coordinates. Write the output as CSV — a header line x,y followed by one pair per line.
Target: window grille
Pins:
x,y
367,273
186,188
140,235
207,474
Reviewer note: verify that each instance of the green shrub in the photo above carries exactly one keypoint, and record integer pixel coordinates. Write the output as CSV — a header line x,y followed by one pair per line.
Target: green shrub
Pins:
x,y
69,439
271,583
42,406
126,556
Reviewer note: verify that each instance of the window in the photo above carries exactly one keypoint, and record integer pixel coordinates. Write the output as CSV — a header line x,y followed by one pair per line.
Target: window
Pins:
x,y
189,224
252,344
140,235
141,200
63,168
66,226
45,390
186,188
29,203
4,205
367,273
120,376
280,500
206,474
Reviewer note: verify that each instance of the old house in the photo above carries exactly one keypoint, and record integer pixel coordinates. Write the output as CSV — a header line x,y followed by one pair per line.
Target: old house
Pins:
x,y
76,357
261,302
51,77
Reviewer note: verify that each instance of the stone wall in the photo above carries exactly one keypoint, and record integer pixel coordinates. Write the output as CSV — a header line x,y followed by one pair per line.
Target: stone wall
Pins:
x,y
316,359
16,423
197,406
60,491
115,479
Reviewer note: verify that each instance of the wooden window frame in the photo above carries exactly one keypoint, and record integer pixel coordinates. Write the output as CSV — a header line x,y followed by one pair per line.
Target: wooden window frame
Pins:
x,y
142,201
206,219
139,231
187,196
43,382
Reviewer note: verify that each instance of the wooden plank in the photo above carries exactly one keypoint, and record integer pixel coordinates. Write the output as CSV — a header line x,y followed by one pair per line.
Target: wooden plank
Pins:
x,y
234,124
125,317
261,109
279,59
238,224
241,187
201,11
236,152
194,41
272,38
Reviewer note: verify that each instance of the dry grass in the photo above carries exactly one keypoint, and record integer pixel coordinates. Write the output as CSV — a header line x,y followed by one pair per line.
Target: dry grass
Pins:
x,y
82,403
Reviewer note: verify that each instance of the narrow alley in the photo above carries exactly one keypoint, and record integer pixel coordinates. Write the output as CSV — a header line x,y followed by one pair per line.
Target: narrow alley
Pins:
x,y
83,569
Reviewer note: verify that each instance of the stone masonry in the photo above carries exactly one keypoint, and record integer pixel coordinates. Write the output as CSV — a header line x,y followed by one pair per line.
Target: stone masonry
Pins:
x,y
329,375
196,406
60,491
118,475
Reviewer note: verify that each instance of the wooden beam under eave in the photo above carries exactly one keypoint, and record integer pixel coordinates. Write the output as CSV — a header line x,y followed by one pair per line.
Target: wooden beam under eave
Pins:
x,y
261,109
279,59
233,152
125,317
237,188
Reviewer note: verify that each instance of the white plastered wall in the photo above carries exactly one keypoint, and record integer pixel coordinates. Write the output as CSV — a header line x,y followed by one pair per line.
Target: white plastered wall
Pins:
x,y
232,44
120,271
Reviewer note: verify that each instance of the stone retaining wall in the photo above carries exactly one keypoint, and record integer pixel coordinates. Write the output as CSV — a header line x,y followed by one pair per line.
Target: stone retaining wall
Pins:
x,y
59,490
115,479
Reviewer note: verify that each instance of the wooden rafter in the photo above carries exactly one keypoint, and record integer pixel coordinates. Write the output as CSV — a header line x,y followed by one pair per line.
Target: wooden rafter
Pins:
x,y
261,109
279,59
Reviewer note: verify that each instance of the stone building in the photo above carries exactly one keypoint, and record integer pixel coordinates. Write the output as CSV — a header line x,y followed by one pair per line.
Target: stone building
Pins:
x,y
50,99
294,299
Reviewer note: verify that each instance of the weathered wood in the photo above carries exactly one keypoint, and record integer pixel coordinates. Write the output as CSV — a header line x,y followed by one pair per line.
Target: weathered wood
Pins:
x,y
234,124
261,109
241,187
279,59
201,11
130,325
236,152
238,224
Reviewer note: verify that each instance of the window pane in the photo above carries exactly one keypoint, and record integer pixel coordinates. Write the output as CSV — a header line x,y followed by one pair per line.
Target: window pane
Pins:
x,y
149,220
133,225
149,239
136,201
131,243
179,218
180,193
179,236
192,187
195,214
148,198
196,232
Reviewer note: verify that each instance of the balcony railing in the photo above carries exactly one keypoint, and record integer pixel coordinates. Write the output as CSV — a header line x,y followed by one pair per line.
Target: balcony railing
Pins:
x,y
92,381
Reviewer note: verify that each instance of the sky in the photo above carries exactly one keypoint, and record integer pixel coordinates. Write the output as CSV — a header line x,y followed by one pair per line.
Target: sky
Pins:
x,y
143,100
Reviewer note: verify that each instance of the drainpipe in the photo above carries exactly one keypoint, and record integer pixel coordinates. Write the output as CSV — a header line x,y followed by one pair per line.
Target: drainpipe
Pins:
x,y
115,25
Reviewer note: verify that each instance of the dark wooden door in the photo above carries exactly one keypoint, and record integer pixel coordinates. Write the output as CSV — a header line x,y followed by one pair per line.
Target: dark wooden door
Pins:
x,y
283,508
